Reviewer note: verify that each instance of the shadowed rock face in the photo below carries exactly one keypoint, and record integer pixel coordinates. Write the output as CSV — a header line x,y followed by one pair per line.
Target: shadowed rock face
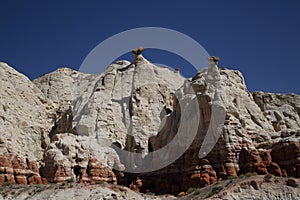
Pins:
x,y
71,126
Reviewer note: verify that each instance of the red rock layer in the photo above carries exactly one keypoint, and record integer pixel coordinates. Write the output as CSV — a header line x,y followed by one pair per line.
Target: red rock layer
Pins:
x,y
20,171
94,172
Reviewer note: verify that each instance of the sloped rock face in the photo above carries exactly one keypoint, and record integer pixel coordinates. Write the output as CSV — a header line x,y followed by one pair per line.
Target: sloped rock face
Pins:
x,y
249,143
24,119
123,107
281,110
254,187
250,139
63,86
75,191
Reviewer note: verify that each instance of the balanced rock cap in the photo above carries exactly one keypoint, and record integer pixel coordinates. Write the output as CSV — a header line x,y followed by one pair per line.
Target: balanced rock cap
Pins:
x,y
213,58
138,51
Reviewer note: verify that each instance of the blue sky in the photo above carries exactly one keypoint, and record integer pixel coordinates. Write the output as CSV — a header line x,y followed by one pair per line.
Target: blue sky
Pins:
x,y
259,38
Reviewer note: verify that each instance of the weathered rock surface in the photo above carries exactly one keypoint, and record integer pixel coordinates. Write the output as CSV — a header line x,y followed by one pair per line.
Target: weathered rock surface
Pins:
x,y
255,187
18,170
248,144
126,100
75,158
69,126
24,119
75,191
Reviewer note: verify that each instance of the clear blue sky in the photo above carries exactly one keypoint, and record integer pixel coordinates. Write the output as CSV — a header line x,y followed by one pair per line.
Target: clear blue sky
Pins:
x,y
259,38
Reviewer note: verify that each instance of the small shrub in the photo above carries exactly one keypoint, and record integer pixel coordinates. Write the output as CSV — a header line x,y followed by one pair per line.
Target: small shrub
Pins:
x,y
214,191
8,184
191,190
229,182
99,182
38,190
71,180
267,178
248,174
292,182
150,193
231,177
241,176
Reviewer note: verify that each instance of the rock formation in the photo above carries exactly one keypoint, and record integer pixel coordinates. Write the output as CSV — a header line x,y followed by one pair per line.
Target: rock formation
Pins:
x,y
25,115
68,126
18,170
138,51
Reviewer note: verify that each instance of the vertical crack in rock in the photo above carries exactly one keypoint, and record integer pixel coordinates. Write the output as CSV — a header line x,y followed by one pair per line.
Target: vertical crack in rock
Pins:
x,y
254,118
